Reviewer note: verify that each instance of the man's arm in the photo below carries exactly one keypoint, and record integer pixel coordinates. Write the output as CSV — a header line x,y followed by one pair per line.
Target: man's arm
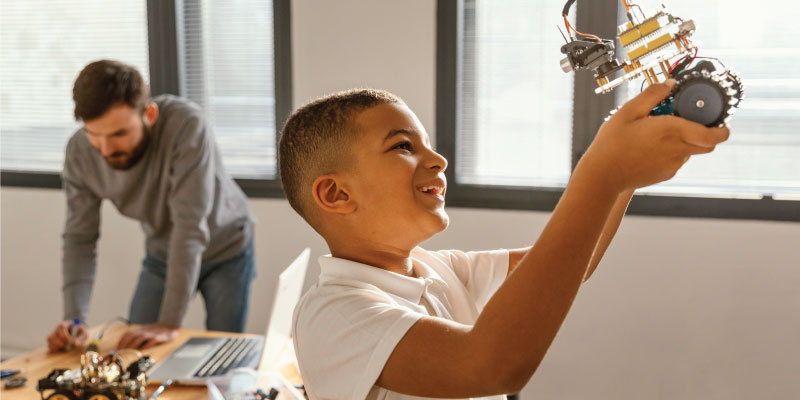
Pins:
x,y
79,241
79,244
190,202
502,350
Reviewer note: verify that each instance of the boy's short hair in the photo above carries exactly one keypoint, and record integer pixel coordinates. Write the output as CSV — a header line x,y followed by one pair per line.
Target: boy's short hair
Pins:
x,y
316,141
105,83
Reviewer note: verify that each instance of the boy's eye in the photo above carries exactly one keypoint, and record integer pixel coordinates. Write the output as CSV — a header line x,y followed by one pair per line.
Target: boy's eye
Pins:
x,y
402,145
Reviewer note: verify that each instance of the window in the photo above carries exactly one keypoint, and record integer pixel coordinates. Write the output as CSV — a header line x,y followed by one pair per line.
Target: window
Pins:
x,y
762,156
228,70
45,45
232,58
517,119
513,125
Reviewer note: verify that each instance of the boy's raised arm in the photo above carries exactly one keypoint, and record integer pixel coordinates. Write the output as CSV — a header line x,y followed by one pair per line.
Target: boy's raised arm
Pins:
x,y
499,354
609,230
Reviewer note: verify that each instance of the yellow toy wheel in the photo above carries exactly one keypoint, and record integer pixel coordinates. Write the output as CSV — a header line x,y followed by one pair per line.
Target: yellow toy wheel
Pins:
x,y
63,395
105,395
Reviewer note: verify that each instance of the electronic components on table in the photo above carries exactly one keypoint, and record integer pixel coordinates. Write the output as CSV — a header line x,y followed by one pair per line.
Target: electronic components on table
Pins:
x,y
98,378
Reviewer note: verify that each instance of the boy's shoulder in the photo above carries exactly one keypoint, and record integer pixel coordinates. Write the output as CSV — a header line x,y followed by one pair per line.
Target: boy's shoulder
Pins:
x,y
343,284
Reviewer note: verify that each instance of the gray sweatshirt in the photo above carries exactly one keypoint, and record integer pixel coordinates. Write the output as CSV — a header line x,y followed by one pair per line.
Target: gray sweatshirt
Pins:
x,y
191,211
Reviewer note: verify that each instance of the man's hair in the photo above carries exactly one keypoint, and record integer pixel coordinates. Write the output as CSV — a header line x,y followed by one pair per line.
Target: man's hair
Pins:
x,y
105,83
316,141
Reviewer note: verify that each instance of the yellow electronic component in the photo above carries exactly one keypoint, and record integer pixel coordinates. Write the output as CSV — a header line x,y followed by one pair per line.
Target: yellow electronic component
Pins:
x,y
634,33
628,37
659,41
637,52
649,27
650,46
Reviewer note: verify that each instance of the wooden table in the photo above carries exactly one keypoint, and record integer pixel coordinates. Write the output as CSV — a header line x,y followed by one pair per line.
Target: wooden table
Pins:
x,y
38,363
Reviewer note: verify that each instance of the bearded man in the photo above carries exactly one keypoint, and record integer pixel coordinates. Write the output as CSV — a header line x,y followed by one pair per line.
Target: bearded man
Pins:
x,y
157,161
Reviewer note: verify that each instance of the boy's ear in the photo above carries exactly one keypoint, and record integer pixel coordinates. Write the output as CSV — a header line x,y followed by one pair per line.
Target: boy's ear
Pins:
x,y
331,196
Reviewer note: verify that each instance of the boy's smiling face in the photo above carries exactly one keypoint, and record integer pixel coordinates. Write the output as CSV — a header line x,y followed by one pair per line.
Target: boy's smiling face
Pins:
x,y
397,181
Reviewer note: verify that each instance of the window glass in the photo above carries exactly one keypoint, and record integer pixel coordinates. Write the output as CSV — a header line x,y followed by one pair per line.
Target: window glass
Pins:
x,y
45,44
516,110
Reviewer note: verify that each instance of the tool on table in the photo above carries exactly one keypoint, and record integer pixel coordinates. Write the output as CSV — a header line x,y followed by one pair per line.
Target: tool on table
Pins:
x,y
73,331
7,373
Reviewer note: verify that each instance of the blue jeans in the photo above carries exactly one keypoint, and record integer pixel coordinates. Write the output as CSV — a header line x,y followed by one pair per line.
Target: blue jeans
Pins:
x,y
225,287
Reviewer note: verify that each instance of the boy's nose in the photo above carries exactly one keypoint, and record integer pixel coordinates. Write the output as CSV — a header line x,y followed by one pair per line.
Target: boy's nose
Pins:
x,y
436,161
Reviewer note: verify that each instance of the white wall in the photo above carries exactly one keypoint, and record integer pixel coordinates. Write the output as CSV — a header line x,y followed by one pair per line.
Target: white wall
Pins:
x,y
680,308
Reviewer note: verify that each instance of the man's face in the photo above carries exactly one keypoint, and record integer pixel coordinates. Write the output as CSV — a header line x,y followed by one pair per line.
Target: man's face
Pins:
x,y
399,183
120,135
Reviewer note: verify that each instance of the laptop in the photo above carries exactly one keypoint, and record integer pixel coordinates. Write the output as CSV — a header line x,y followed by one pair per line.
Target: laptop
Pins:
x,y
202,358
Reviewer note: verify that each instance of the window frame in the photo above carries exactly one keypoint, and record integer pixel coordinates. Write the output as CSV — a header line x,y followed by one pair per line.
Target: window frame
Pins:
x,y
164,41
598,18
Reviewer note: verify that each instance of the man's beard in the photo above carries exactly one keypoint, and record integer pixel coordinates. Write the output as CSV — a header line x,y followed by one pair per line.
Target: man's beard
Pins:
x,y
134,156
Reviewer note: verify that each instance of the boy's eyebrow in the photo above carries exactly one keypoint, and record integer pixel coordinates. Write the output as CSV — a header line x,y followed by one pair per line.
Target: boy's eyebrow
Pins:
x,y
394,132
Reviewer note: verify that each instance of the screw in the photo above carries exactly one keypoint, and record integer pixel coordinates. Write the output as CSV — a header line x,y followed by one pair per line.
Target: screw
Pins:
x,y
700,103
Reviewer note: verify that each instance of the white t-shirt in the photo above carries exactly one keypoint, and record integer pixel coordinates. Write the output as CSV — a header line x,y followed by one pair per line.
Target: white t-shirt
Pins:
x,y
346,327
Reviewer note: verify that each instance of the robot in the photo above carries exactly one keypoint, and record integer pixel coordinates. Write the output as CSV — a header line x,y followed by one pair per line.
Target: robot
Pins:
x,y
656,44
98,378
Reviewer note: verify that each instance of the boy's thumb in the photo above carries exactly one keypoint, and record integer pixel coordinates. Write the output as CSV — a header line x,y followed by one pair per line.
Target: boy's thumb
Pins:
x,y
641,105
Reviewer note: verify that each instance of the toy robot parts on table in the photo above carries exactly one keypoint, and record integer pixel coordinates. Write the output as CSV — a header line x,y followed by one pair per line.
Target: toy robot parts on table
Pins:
x,y
706,92
98,378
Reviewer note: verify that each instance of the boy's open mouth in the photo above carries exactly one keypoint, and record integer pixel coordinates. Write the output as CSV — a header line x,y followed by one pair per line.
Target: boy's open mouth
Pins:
x,y
435,190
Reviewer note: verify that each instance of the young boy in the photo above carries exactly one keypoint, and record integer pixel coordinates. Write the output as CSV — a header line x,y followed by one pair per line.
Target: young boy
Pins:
x,y
389,320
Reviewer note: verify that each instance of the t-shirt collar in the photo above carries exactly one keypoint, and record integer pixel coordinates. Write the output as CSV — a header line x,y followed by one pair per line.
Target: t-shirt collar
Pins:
x,y
411,289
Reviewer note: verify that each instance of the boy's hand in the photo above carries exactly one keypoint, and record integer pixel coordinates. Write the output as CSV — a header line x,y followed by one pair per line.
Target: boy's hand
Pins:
x,y
633,149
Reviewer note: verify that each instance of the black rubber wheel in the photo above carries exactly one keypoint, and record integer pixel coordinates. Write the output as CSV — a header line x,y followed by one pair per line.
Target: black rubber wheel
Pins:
x,y
701,97
736,85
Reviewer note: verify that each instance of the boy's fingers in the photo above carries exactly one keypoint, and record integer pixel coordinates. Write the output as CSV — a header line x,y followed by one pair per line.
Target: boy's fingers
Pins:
x,y
641,105
692,149
705,137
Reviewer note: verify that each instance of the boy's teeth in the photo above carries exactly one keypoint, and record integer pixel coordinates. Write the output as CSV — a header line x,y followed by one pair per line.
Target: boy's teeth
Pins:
x,y
432,189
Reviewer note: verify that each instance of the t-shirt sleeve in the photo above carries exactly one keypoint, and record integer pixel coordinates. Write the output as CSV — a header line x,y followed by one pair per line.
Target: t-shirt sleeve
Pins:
x,y
481,272
343,338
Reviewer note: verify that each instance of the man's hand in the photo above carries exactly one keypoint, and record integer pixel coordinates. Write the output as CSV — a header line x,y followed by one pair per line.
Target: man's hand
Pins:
x,y
62,336
634,149
147,336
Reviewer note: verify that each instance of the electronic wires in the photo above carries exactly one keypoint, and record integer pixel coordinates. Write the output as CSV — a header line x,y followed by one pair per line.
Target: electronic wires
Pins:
x,y
628,7
569,26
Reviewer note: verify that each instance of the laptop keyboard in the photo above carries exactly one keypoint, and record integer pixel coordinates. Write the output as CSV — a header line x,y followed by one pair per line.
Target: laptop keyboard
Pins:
x,y
232,354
